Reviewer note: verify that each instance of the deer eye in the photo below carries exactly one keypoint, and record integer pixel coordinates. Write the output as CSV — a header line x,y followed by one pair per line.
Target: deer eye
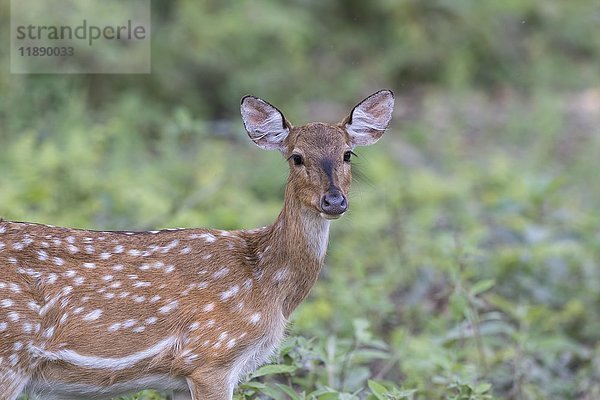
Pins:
x,y
297,159
348,155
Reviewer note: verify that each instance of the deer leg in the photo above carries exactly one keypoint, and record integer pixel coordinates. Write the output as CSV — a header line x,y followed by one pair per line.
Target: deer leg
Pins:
x,y
178,395
12,384
210,387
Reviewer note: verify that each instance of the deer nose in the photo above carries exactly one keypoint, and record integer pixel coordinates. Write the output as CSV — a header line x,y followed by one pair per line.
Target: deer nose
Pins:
x,y
334,203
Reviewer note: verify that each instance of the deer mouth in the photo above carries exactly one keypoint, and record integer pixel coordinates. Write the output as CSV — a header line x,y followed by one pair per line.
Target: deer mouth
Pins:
x,y
331,216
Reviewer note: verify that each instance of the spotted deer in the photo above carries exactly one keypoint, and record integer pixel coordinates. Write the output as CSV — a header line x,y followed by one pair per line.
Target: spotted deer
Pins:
x,y
93,314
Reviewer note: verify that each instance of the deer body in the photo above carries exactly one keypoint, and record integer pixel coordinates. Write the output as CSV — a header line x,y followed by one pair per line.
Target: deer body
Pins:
x,y
90,314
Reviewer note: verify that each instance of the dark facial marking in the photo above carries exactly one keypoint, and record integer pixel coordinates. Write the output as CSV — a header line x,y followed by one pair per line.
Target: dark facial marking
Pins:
x,y
328,164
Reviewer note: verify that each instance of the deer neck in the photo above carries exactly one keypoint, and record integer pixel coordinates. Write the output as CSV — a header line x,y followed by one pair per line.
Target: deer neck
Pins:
x,y
292,255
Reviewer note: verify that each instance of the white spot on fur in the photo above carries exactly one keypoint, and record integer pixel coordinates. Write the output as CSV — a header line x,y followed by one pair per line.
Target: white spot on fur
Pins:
x,y
48,333
155,298
209,238
14,359
139,299
114,327
254,318
27,327
221,273
129,323
280,274
170,246
168,307
69,274
13,316
52,277
42,255
230,292
169,268
185,250
78,281
6,303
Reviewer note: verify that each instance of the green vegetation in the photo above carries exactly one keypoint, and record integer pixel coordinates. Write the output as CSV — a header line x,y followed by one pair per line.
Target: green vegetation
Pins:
x,y
469,264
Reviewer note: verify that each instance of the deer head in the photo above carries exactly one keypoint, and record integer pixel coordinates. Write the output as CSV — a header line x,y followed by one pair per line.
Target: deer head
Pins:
x,y
319,154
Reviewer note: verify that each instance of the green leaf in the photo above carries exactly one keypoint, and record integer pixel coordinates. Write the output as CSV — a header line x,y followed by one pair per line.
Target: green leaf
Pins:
x,y
458,304
323,393
274,369
273,393
378,390
289,391
405,393
482,286
254,385
329,396
369,354
482,388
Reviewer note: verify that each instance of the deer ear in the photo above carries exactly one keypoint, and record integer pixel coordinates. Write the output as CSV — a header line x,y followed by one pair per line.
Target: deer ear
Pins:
x,y
370,118
265,124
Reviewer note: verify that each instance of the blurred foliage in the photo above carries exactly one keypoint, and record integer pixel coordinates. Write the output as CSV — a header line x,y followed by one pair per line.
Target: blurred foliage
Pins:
x,y
468,267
